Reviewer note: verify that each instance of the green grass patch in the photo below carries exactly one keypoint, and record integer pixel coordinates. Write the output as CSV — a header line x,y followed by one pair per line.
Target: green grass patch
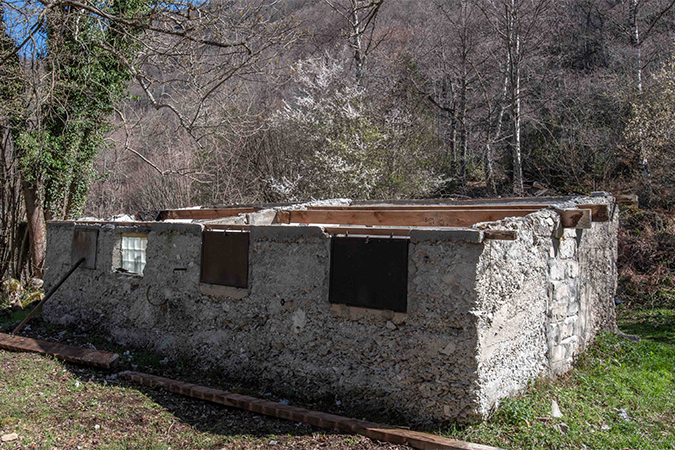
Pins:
x,y
621,395
657,325
14,317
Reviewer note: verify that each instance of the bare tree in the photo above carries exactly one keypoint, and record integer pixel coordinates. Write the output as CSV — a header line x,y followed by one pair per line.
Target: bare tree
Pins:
x,y
360,16
520,25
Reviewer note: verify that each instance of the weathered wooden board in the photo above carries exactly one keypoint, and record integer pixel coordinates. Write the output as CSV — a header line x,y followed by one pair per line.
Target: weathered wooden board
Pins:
x,y
385,433
412,218
571,218
533,207
600,212
507,235
627,199
89,357
575,218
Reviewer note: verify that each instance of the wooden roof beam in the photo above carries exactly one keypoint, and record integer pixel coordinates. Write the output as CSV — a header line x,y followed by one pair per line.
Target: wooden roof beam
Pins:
x,y
600,211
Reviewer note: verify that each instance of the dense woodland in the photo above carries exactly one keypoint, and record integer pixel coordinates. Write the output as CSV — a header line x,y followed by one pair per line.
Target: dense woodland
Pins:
x,y
134,106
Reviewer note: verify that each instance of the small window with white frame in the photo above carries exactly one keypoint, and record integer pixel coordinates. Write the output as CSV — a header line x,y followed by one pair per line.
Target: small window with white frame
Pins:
x,y
133,249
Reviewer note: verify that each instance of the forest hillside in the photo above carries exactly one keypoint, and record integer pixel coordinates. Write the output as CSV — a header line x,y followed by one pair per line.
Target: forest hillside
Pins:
x,y
132,106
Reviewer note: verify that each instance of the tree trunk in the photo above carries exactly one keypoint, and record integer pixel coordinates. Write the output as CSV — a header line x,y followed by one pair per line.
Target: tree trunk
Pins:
x,y
490,181
515,98
645,183
358,56
37,228
463,141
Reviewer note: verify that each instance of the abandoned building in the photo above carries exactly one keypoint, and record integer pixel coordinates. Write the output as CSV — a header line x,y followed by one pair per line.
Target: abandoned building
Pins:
x,y
433,309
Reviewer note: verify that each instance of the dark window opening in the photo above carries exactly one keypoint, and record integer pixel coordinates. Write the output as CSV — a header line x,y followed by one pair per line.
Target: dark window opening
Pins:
x,y
370,272
225,258
84,246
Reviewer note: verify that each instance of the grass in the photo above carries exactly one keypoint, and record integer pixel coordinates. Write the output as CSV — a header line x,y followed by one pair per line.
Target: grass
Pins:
x,y
621,395
55,405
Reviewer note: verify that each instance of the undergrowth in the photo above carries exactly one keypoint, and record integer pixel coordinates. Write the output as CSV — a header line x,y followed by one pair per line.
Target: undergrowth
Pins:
x,y
646,259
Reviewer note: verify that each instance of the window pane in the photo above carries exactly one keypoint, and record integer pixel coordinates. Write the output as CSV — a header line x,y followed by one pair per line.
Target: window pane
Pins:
x,y
133,253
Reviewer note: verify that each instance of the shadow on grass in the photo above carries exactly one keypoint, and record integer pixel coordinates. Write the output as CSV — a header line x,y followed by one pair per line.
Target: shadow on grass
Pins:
x,y
10,318
201,416
657,325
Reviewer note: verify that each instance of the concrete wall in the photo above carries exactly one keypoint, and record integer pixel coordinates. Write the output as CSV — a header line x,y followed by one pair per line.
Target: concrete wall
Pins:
x,y
484,316
282,331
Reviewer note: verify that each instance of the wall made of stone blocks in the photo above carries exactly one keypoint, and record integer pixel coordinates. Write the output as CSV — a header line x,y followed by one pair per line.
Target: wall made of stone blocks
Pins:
x,y
542,299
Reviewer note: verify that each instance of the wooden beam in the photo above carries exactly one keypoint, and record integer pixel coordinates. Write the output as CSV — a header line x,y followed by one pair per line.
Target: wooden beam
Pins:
x,y
575,218
600,211
506,235
226,226
627,199
86,356
413,218
534,207
372,430
503,235
203,213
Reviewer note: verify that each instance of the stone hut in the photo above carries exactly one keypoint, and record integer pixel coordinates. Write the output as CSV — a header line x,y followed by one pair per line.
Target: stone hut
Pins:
x,y
434,310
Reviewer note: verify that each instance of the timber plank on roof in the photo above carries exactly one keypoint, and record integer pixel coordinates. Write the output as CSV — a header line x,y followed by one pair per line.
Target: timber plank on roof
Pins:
x,y
418,218
571,218
600,211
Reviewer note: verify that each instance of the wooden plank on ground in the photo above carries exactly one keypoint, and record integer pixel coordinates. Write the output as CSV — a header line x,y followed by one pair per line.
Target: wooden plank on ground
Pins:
x,y
86,356
372,430
203,213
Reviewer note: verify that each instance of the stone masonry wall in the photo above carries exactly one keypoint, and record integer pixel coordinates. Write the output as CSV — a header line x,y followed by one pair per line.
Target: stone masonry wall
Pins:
x,y
542,299
283,332
511,309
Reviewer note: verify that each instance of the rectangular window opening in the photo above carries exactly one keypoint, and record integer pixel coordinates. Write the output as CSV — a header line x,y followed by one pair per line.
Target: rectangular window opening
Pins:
x,y
225,258
85,245
134,252
369,272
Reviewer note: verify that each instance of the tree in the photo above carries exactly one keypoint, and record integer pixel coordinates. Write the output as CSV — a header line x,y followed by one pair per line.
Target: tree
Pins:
x,y
652,130
74,84
343,142
14,238
182,55
360,16
519,24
